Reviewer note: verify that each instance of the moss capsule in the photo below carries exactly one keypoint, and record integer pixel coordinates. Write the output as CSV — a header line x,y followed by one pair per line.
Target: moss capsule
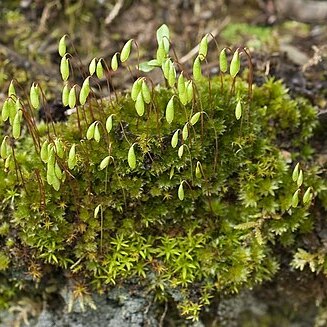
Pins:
x,y
235,64
131,158
126,50
92,66
174,139
170,110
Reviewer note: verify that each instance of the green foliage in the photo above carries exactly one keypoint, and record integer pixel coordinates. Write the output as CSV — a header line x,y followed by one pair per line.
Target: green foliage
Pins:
x,y
102,199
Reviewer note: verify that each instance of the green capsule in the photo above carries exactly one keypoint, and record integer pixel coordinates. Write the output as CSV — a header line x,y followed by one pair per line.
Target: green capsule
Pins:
x,y
195,118
62,46
181,83
203,47
12,110
51,171
238,110
58,171
35,96
5,110
59,148
235,64
97,135
146,92
300,179
307,196
181,88
92,66
50,176
126,50
181,151
181,191
45,151
183,98
56,183
139,105
51,157
198,173
136,88
174,139
64,68
131,158
161,53
65,95
104,163
96,210
295,199
8,161
172,76
170,110
99,69
223,64
11,89
163,36
109,123
4,151
185,132
166,67
295,174
189,90
85,91
72,97
197,73
90,131
114,62
16,126
72,157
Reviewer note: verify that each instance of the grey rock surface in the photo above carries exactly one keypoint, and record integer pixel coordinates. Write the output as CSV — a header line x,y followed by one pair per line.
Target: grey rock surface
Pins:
x,y
120,307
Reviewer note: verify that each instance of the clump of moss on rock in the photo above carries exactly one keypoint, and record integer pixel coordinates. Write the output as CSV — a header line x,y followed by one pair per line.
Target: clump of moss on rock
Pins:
x,y
188,207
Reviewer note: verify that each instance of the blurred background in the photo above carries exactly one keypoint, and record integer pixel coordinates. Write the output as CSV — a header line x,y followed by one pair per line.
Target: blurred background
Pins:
x,y
287,38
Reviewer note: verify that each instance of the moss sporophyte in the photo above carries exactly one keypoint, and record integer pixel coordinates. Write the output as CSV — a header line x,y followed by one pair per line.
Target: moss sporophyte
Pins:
x,y
173,187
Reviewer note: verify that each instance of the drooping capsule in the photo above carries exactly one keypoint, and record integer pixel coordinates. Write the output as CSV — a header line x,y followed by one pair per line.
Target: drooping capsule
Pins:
x,y
174,139
104,163
126,50
295,198
131,158
72,157
99,69
238,110
72,97
35,96
92,66
90,131
197,73
223,64
195,118
170,110
64,68
85,91
109,123
203,47
62,46
97,135
181,191
235,64
65,94
114,62
139,105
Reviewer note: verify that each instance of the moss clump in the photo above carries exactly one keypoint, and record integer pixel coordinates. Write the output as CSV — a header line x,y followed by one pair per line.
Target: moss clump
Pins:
x,y
188,221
